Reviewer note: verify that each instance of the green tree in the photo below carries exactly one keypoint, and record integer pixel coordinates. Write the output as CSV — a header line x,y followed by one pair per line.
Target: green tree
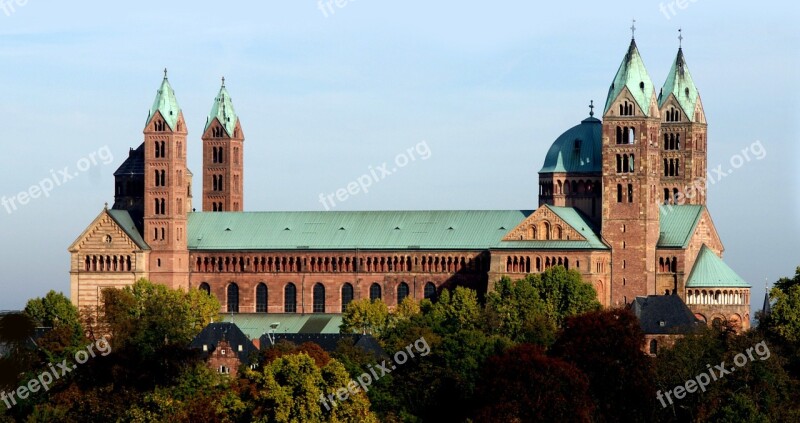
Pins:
x,y
365,316
785,317
149,316
66,334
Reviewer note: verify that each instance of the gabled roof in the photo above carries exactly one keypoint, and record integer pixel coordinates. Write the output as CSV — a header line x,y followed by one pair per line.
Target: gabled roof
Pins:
x,y
166,103
633,75
125,222
212,334
710,271
329,230
664,314
134,164
579,150
677,224
223,111
681,85
570,216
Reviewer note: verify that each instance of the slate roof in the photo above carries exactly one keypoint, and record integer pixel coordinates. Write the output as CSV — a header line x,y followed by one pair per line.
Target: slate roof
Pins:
x,y
710,271
212,334
134,164
664,314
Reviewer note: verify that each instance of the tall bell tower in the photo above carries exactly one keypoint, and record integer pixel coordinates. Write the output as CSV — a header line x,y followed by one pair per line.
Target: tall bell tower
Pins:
x,y
223,159
167,191
683,138
630,220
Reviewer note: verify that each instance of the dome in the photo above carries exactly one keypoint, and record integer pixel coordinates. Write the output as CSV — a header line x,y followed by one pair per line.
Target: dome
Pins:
x,y
577,151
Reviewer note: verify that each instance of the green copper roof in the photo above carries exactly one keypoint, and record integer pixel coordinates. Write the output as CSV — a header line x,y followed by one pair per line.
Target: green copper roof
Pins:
x,y
166,103
223,111
710,271
632,74
680,84
577,150
330,230
677,223
255,325
124,220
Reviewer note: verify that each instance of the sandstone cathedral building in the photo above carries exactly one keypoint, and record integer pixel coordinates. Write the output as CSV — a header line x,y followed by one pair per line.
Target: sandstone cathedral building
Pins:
x,y
621,200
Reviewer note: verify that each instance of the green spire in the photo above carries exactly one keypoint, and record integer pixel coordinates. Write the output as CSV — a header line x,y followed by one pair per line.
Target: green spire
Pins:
x,y
632,74
223,111
166,103
680,84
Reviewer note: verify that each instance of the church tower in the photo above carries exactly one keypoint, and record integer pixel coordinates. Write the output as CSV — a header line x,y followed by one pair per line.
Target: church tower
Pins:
x,y
683,138
166,190
223,167
631,125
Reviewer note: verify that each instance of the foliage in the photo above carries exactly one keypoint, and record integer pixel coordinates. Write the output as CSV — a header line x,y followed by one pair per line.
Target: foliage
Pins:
x,y
365,316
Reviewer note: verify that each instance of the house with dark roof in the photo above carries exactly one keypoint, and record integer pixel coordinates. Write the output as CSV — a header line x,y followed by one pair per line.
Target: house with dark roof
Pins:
x,y
224,347
327,341
663,319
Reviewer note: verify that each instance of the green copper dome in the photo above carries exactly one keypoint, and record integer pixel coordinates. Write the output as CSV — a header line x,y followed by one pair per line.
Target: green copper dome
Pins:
x,y
578,150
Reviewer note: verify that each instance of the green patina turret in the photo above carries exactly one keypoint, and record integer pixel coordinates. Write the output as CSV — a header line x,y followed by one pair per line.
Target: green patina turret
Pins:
x,y
680,84
632,74
166,103
223,111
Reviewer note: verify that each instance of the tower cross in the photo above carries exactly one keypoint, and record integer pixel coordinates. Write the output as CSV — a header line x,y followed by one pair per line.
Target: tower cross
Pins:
x,y
680,37
591,108
165,73
633,29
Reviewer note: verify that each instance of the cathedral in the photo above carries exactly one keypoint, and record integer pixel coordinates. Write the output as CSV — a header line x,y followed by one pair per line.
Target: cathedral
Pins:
x,y
622,200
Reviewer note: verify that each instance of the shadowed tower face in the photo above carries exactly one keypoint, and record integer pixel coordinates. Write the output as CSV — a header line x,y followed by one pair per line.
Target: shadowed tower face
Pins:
x,y
223,162
630,222
166,190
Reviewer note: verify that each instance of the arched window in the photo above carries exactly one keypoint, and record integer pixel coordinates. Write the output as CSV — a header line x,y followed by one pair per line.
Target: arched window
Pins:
x,y
319,298
619,134
347,295
261,298
290,298
630,193
233,298
205,288
430,291
619,193
653,347
402,292
375,292
625,168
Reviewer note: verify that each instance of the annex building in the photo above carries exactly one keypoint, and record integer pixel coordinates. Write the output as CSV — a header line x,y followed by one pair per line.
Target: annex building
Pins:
x,y
618,201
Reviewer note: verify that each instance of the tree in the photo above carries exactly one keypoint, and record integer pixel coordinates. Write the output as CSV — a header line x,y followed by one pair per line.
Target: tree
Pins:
x,y
66,334
149,316
525,385
784,320
606,346
365,316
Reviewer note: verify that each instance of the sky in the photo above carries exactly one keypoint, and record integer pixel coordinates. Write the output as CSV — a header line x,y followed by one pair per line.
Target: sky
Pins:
x,y
328,91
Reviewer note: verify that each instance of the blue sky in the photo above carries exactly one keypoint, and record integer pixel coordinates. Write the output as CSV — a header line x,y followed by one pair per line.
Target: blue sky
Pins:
x,y
487,86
